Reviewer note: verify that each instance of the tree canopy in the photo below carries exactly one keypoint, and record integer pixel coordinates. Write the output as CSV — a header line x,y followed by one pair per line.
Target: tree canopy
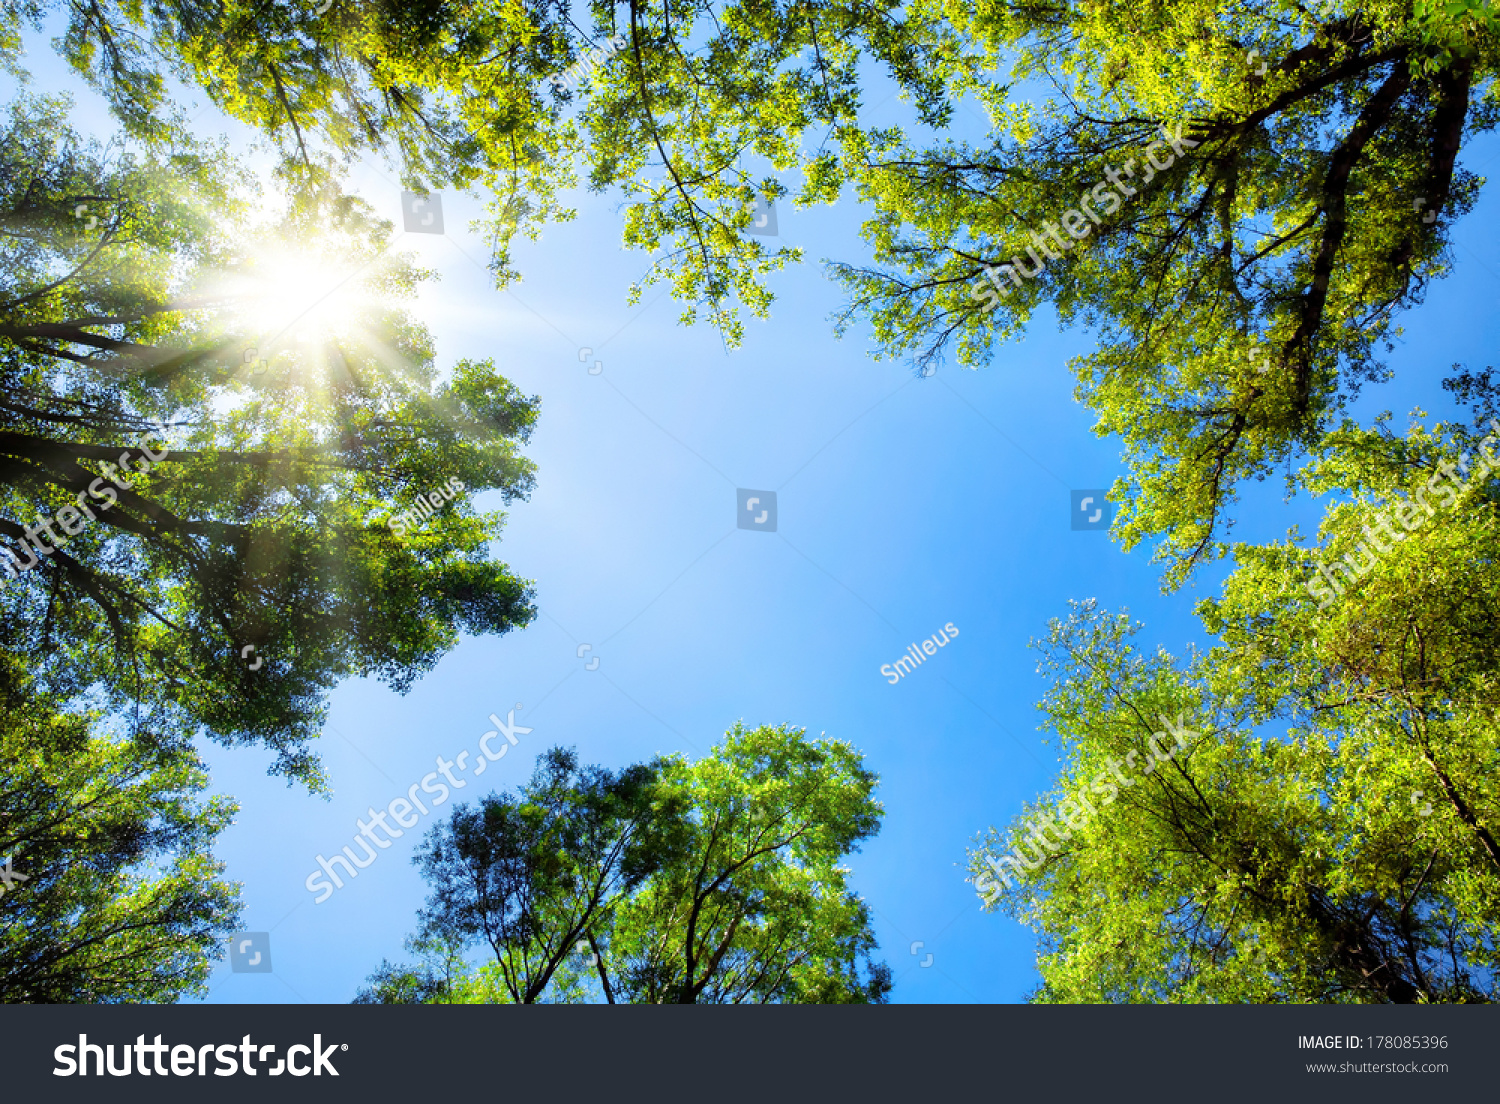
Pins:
x,y
715,882
205,435
1238,199
1327,830
214,424
517,98
1243,288
108,893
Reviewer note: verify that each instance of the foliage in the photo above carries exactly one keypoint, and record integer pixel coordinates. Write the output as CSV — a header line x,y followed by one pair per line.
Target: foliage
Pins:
x,y
139,303
536,873
434,980
113,895
1330,832
472,95
1241,292
749,903
668,882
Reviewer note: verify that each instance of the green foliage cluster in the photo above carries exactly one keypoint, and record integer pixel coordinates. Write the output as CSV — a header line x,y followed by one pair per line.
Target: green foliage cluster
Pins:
x,y
1331,833
703,97
113,896
224,554
1242,296
266,524
715,882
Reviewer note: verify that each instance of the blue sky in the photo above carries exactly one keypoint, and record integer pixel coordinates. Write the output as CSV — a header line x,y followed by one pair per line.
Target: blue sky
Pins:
x,y
903,504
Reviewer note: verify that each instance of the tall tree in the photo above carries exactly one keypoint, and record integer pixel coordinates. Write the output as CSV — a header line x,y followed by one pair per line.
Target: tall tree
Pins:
x,y
1240,199
750,903
211,438
108,892
1325,827
539,874
670,882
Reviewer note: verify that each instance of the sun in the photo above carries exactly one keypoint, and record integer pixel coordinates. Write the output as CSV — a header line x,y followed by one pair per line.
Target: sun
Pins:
x,y
285,296
294,311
